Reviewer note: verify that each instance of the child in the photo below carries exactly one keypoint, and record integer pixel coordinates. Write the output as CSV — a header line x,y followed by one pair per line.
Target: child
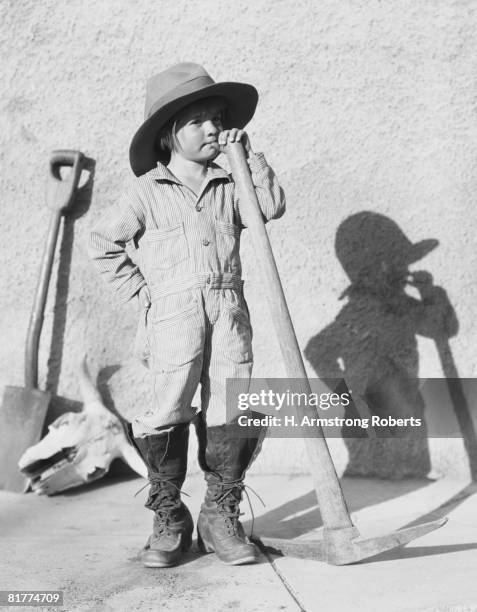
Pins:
x,y
183,213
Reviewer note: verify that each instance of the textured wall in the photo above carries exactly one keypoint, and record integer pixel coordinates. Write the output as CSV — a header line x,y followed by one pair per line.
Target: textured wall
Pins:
x,y
365,105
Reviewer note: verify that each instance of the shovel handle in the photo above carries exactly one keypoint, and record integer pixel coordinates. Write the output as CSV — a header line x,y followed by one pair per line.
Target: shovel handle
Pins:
x,y
60,194
328,490
61,190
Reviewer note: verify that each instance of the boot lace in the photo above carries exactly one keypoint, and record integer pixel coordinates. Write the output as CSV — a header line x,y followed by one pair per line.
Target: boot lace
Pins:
x,y
164,498
228,496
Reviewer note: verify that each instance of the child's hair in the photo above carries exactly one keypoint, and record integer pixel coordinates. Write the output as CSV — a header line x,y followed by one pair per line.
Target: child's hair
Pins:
x,y
166,139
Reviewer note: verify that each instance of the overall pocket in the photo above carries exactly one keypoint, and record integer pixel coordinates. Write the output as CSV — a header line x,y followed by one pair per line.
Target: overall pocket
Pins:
x,y
141,348
165,248
236,329
177,338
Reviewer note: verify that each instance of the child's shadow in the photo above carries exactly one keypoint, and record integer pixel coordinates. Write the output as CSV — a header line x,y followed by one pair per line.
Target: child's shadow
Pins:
x,y
372,343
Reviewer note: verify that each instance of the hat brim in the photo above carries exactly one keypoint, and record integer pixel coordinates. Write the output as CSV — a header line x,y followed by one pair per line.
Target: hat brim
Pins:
x,y
241,100
420,249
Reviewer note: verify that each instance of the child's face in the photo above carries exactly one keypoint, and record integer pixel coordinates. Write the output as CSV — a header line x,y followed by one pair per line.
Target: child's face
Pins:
x,y
197,130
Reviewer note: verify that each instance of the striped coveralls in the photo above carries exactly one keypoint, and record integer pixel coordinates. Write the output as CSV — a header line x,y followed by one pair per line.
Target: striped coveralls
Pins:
x,y
197,327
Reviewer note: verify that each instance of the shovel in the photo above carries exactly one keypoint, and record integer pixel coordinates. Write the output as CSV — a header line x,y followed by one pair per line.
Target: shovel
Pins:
x,y
342,543
23,409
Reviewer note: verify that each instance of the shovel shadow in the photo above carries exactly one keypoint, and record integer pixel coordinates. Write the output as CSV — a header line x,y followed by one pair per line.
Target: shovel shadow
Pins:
x,y
82,202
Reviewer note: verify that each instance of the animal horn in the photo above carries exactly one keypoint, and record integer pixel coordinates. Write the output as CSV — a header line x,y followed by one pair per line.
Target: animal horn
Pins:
x,y
91,397
131,457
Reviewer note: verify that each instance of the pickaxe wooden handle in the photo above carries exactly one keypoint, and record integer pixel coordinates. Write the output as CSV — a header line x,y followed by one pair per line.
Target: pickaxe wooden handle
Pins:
x,y
342,543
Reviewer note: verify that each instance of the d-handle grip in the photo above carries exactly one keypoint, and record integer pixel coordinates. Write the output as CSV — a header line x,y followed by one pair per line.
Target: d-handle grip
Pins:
x,y
61,191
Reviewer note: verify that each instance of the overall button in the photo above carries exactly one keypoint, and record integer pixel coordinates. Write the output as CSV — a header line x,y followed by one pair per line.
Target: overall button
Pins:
x,y
205,242
198,207
208,280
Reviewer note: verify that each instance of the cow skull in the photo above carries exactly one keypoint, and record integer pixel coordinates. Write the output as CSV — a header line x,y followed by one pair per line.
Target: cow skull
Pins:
x,y
79,446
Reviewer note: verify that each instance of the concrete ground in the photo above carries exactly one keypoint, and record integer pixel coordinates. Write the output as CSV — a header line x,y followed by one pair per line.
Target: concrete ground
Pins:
x,y
85,543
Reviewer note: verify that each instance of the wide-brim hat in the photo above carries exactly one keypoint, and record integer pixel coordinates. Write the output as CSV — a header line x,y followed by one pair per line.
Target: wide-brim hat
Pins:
x,y
173,89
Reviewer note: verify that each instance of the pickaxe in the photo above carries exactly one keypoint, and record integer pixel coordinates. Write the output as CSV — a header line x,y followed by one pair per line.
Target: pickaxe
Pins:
x,y
342,543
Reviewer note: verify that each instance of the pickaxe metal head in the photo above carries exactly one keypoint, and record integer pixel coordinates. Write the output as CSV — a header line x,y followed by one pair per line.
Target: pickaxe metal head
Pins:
x,y
346,546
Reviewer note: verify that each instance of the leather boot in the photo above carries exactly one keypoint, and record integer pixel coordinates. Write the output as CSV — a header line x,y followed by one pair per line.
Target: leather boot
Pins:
x,y
165,455
225,458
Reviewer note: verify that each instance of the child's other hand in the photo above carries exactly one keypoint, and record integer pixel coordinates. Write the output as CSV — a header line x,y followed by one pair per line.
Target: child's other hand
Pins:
x,y
235,135
143,297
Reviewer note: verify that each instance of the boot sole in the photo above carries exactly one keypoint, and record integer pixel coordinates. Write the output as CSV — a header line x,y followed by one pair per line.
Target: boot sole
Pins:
x,y
186,543
207,547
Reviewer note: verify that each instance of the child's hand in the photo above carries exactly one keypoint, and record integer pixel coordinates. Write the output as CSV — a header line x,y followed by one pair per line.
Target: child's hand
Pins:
x,y
143,297
235,135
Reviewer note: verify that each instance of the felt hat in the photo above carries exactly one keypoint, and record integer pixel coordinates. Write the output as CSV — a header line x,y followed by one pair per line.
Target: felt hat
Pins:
x,y
170,91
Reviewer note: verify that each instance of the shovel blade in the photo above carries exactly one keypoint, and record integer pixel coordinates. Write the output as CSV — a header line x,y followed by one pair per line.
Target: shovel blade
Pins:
x,y
22,416
346,546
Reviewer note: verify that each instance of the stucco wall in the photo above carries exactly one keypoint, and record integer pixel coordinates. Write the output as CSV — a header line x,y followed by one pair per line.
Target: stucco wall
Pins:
x,y
364,105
